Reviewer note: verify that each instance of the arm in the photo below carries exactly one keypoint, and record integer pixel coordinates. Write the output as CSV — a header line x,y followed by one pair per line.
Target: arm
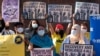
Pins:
x,y
52,48
68,28
22,20
73,19
30,47
51,28
70,24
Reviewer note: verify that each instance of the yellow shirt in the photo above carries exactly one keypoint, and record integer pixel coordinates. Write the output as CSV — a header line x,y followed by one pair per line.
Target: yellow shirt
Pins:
x,y
57,41
87,35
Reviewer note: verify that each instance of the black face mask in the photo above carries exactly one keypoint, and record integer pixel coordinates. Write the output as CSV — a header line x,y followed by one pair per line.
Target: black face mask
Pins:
x,y
60,32
57,32
7,27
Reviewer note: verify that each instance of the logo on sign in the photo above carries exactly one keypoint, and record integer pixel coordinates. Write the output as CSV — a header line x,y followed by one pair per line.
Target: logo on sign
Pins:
x,y
18,39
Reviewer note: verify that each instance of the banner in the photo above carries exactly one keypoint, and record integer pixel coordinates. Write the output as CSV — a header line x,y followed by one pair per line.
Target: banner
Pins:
x,y
34,10
95,33
78,50
83,10
10,10
12,45
42,52
59,13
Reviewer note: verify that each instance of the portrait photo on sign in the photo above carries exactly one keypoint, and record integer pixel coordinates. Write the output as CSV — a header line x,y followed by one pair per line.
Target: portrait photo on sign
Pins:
x,y
59,13
83,10
34,10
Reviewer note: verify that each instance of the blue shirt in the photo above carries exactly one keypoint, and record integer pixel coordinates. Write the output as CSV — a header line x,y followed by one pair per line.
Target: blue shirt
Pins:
x,y
67,41
43,42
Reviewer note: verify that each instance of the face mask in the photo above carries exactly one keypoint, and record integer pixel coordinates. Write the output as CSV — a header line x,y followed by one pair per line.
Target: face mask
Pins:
x,y
73,32
34,25
57,32
61,32
41,32
20,30
83,31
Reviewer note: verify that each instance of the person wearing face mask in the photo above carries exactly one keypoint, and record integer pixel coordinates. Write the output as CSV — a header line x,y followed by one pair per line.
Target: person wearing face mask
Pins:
x,y
73,37
41,40
58,35
7,30
84,39
18,27
31,30
77,36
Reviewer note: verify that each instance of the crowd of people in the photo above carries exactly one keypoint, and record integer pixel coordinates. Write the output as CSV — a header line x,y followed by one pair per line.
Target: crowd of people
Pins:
x,y
37,36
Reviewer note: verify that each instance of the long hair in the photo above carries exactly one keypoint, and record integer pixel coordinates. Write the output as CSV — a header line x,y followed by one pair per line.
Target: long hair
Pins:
x,y
30,26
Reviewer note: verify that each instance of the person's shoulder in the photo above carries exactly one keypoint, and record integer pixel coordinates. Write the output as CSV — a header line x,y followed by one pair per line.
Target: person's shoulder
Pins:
x,y
87,41
54,35
47,35
11,31
85,38
27,29
67,37
34,36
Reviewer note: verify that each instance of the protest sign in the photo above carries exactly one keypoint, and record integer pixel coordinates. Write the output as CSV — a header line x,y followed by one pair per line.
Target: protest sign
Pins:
x,y
78,50
42,52
59,13
34,10
84,9
10,10
95,33
12,45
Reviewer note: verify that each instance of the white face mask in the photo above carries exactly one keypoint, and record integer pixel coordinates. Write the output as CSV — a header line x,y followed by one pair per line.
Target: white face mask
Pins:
x,y
83,31
20,29
41,32
73,32
34,25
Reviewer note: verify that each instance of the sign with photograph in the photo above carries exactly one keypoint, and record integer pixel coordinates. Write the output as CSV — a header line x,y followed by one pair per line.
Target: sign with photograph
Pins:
x,y
10,10
83,10
78,50
59,13
34,10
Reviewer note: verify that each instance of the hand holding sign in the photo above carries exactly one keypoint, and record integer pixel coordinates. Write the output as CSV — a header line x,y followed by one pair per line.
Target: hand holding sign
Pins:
x,y
52,48
41,52
78,50
30,47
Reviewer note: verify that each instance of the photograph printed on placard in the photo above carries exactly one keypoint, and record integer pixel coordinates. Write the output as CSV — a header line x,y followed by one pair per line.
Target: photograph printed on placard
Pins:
x,y
34,10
